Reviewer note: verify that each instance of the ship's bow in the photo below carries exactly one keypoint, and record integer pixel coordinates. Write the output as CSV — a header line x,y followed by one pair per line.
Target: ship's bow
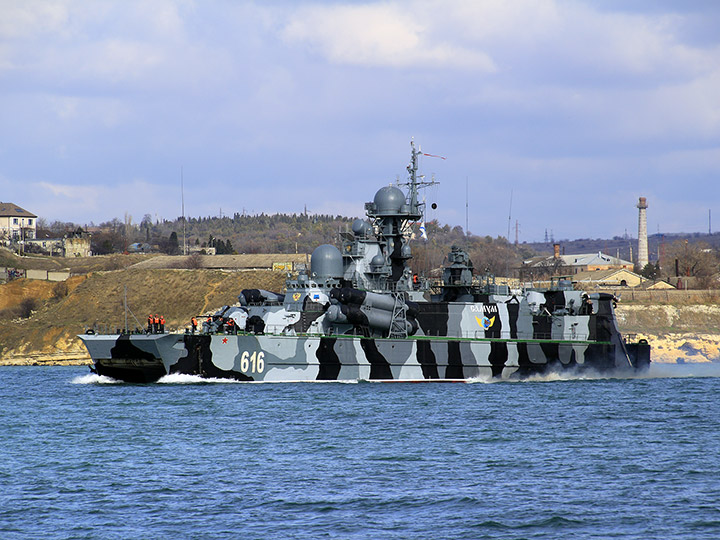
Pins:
x,y
135,358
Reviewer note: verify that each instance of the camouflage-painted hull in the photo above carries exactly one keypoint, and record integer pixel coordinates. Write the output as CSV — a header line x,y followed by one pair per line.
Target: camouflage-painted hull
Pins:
x,y
274,358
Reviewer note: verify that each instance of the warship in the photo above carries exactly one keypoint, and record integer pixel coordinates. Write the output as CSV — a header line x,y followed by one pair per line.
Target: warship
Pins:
x,y
360,314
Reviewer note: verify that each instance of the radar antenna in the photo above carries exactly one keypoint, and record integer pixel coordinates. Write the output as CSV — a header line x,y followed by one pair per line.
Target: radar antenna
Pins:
x,y
416,181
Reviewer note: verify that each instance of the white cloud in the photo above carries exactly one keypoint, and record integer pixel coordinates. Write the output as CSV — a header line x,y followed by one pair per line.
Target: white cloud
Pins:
x,y
116,60
567,44
100,202
309,96
100,46
389,35
492,21
31,17
620,44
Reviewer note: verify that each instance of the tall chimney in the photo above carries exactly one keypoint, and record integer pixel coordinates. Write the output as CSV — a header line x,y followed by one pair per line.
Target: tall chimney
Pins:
x,y
642,233
556,251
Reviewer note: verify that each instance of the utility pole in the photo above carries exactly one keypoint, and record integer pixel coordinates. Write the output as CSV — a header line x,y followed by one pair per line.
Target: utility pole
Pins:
x,y
126,310
182,198
466,206
509,215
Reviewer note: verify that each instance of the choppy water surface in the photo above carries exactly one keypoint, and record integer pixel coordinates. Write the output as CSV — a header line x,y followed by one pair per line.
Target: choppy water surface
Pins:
x,y
83,457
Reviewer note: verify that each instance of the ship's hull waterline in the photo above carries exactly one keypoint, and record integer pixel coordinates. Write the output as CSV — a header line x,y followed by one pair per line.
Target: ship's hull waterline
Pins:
x,y
270,358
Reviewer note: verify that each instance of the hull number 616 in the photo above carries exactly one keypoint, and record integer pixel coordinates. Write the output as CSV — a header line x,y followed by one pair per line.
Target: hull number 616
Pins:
x,y
253,363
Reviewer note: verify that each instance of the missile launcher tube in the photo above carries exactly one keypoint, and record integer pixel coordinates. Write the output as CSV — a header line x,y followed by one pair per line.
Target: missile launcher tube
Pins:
x,y
371,318
259,296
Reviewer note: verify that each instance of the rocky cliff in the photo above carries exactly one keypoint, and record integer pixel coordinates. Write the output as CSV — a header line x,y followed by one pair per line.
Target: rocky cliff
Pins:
x,y
677,333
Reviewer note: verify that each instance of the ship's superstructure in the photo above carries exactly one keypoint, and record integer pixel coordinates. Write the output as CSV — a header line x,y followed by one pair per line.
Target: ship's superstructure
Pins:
x,y
359,313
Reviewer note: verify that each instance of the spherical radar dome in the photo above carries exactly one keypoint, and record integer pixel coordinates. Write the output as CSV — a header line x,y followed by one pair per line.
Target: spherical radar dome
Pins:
x,y
326,262
360,227
378,261
389,200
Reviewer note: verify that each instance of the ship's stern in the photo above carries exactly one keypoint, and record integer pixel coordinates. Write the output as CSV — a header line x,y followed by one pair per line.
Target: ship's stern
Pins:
x,y
639,354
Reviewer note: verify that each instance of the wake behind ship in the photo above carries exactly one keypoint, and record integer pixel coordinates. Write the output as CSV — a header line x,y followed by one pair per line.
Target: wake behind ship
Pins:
x,y
360,314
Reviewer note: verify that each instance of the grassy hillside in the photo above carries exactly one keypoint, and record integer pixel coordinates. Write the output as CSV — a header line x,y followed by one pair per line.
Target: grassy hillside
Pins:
x,y
98,298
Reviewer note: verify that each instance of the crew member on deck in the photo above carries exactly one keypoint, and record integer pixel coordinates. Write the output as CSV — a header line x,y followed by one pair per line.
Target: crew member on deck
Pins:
x,y
156,323
207,325
193,322
162,324
150,324
231,326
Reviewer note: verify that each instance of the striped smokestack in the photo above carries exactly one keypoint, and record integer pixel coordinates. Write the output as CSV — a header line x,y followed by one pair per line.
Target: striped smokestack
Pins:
x,y
642,233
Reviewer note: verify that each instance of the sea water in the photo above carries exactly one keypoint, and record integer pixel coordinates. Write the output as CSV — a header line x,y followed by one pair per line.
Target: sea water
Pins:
x,y
82,456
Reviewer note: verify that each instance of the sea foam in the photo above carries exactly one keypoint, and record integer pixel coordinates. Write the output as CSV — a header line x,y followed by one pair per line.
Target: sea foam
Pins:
x,y
94,378
181,378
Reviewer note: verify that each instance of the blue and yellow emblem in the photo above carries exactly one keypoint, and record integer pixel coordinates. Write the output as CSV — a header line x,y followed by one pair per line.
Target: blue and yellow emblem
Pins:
x,y
485,322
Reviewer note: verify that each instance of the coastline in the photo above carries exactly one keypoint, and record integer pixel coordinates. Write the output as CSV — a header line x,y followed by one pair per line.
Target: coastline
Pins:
x,y
39,359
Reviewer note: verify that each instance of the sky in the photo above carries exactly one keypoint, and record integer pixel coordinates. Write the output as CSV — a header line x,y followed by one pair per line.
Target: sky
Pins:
x,y
555,115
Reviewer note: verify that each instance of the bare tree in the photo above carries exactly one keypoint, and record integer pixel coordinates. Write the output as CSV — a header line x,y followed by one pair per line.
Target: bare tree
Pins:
x,y
194,261
695,260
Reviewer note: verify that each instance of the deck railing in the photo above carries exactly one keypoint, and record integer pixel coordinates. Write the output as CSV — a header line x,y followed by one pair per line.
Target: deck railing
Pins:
x,y
279,330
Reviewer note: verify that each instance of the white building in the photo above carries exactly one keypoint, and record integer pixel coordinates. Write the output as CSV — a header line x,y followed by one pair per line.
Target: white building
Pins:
x,y
16,224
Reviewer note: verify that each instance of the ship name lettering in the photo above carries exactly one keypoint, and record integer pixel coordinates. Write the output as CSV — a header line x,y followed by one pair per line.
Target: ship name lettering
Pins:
x,y
484,308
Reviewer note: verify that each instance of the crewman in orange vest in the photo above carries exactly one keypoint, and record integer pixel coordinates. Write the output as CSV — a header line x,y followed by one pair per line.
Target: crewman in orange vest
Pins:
x,y
162,324
193,322
156,324
231,326
150,324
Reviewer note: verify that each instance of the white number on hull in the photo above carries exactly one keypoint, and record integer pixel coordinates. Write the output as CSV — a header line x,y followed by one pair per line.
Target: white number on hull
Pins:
x,y
254,363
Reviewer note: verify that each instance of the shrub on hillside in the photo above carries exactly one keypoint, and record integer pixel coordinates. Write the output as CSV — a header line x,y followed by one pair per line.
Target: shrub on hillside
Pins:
x,y
60,290
26,307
